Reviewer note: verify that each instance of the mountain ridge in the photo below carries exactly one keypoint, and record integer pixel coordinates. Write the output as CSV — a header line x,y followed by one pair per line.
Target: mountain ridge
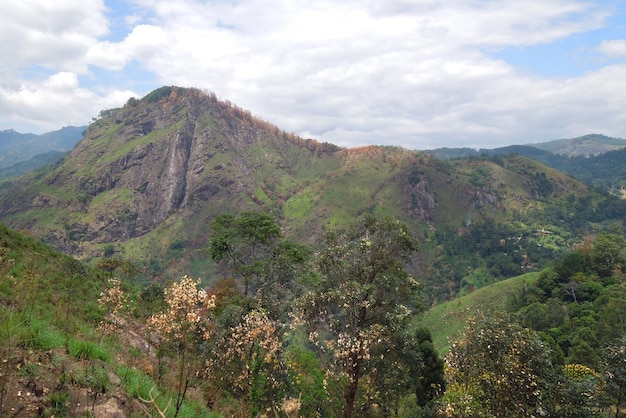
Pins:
x,y
16,147
147,179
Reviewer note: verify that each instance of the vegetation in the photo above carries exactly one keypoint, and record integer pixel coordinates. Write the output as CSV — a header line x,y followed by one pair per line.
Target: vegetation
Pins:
x,y
357,317
149,175
315,266
342,341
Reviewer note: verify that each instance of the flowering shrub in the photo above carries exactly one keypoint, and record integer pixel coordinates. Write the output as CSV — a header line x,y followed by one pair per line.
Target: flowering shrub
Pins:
x,y
111,301
187,309
185,319
248,361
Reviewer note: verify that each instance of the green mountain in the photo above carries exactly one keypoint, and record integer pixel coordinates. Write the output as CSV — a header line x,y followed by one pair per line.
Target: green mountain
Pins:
x,y
144,185
38,161
147,179
584,146
596,160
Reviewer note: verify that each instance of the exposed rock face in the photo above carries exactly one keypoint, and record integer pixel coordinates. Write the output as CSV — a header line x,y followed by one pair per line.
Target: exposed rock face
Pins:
x,y
421,203
175,152
168,166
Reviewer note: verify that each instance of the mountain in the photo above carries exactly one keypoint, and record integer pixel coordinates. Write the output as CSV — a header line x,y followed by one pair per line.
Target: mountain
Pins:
x,y
34,150
585,146
147,179
596,160
39,160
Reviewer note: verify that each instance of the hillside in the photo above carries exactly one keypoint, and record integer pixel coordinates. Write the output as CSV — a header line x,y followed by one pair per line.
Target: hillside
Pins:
x,y
16,148
582,146
596,160
148,178
54,358
447,320
36,162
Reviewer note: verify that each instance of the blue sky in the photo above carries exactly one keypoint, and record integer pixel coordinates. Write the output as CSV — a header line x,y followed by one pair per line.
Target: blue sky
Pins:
x,y
571,56
419,74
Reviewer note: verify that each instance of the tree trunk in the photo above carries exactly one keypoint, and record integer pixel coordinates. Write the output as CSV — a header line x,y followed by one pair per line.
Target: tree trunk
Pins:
x,y
350,395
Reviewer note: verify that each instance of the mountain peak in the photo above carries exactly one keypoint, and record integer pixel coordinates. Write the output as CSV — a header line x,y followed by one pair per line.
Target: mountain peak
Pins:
x,y
586,145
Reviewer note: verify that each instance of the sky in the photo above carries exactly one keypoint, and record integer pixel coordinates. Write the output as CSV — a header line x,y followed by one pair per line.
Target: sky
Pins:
x,y
420,74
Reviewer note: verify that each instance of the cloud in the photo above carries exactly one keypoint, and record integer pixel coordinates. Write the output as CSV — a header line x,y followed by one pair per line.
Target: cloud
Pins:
x,y
140,44
354,73
59,98
416,74
613,48
49,33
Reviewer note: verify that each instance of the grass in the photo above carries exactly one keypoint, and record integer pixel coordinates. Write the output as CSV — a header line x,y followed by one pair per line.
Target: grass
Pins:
x,y
139,385
88,350
42,335
447,320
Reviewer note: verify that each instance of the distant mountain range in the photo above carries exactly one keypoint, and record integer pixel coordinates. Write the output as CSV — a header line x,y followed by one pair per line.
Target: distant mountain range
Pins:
x,y
597,160
582,146
20,153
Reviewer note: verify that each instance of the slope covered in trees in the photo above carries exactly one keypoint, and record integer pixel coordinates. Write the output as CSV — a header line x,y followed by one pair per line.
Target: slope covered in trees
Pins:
x,y
568,318
198,350
339,342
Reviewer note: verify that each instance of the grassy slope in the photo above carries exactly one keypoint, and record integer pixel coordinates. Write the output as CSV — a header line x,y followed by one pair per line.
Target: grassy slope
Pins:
x,y
446,321
56,362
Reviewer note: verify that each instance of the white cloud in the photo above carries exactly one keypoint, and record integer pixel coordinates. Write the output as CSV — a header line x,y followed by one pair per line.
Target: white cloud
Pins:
x,y
54,102
613,48
140,44
49,33
416,74
399,73
45,46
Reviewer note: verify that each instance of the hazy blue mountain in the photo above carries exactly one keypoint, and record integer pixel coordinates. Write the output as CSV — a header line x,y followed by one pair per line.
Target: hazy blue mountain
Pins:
x,y
16,147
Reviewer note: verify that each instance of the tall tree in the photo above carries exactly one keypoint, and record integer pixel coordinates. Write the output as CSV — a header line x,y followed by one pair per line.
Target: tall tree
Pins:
x,y
364,300
430,378
250,247
498,369
242,245
615,372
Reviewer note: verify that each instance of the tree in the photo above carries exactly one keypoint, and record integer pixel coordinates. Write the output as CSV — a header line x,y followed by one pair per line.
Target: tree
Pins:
x,y
615,372
283,278
251,247
364,300
430,378
499,369
609,255
243,244
579,392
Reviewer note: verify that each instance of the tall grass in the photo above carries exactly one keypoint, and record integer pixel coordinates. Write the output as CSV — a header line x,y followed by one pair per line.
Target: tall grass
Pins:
x,y
140,386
